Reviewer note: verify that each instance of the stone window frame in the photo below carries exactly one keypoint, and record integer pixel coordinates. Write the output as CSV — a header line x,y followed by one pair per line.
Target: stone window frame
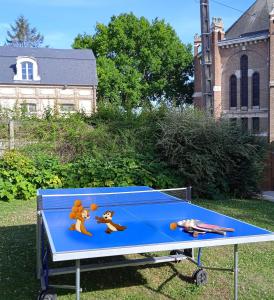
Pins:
x,y
26,59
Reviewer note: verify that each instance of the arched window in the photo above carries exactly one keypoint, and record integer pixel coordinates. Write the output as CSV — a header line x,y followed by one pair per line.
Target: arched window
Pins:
x,y
244,80
27,70
233,91
256,89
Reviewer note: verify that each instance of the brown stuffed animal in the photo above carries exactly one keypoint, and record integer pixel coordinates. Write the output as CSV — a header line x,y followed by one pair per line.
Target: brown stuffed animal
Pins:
x,y
107,219
79,214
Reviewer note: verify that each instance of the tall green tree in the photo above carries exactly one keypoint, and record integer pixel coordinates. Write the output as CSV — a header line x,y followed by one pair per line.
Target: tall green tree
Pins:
x,y
22,35
140,62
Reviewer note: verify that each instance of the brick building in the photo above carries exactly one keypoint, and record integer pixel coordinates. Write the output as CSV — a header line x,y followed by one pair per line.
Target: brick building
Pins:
x,y
36,79
243,69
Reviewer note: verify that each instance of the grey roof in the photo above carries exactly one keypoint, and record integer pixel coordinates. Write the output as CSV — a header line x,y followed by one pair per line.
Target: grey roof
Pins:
x,y
254,21
55,66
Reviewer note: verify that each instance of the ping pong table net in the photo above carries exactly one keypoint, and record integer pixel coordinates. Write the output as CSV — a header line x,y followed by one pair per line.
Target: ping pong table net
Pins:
x,y
113,199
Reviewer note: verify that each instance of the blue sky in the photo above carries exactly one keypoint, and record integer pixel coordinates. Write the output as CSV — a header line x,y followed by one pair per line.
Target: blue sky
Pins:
x,y
61,20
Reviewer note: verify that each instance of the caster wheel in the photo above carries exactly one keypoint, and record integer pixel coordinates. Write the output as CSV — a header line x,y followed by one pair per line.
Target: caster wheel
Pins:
x,y
200,277
48,294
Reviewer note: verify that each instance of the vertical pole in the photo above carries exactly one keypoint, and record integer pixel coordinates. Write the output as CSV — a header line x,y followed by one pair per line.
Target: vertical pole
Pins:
x,y
188,194
38,245
11,135
78,279
39,237
235,272
206,56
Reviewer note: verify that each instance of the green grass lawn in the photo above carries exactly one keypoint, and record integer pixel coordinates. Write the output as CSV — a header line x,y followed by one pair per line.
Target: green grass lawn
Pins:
x,y
167,281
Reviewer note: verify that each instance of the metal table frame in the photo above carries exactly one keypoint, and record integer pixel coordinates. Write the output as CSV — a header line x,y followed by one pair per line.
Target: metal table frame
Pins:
x,y
45,248
43,272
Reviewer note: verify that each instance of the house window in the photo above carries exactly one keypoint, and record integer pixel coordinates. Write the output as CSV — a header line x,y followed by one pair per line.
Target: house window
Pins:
x,y
244,80
233,91
256,89
255,125
244,123
28,107
67,107
27,71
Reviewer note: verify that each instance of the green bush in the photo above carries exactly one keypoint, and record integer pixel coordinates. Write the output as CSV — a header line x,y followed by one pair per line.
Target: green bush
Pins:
x,y
19,177
116,171
160,147
215,157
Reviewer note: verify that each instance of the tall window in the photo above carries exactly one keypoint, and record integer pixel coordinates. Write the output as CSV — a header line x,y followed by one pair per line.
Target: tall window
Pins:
x,y
244,80
256,89
27,71
233,91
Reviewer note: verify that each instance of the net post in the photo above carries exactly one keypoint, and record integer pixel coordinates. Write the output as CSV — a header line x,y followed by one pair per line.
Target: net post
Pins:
x,y
188,193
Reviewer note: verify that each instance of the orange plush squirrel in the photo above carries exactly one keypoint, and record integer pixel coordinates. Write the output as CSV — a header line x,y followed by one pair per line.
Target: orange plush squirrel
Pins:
x,y
79,214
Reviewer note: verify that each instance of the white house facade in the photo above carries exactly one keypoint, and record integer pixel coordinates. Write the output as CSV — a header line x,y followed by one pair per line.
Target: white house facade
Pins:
x,y
38,79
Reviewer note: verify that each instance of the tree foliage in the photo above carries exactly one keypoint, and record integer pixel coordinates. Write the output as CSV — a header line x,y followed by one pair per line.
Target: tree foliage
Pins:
x,y
139,62
22,35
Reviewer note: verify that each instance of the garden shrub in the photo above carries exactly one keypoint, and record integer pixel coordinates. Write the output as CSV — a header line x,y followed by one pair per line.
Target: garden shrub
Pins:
x,y
116,171
216,157
19,177
159,147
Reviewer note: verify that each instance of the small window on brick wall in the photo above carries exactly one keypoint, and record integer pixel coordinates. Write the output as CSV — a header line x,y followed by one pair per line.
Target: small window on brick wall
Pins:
x,y
244,124
255,125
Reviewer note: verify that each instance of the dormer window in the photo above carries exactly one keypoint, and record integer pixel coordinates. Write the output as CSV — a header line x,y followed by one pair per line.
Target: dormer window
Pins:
x,y
26,69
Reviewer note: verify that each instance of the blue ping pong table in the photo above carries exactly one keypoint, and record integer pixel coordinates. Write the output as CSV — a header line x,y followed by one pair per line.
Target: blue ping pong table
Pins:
x,y
147,214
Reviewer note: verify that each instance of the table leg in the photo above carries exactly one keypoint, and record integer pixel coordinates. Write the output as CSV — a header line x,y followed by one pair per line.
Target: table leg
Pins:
x,y
77,279
38,246
235,272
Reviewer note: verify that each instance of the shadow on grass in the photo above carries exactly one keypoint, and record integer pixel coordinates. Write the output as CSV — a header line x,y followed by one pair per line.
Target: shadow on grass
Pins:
x,y
18,269
17,262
